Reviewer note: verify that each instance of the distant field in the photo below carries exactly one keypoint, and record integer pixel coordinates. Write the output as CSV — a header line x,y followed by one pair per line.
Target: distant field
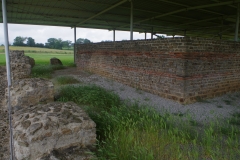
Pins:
x,y
43,58
37,50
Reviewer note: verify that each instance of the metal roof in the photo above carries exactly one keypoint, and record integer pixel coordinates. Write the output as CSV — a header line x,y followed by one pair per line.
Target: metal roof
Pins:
x,y
204,18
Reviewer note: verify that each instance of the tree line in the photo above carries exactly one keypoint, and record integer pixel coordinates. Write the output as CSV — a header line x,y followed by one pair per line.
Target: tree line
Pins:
x,y
52,43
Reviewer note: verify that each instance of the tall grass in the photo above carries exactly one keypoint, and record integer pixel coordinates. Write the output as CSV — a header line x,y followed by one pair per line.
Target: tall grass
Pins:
x,y
44,71
127,132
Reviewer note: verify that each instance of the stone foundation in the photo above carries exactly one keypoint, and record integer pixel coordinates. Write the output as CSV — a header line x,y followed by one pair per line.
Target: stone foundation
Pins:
x,y
43,129
181,69
20,65
32,91
39,130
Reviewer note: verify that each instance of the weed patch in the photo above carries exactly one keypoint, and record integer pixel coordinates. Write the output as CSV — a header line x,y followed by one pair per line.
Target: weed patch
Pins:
x,y
89,95
227,102
44,71
235,120
129,131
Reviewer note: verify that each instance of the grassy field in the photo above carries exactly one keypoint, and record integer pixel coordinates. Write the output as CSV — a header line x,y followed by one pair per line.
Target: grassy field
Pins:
x,y
37,50
43,58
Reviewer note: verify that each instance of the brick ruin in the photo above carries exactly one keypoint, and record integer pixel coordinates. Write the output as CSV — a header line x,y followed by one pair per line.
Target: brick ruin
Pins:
x,y
181,69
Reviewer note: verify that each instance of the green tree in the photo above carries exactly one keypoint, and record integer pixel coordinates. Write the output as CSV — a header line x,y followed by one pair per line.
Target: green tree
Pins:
x,y
59,44
106,41
41,45
54,43
67,44
83,41
51,43
30,42
19,41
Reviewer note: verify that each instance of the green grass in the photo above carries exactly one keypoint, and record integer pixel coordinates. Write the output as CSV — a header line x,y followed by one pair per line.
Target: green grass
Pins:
x,y
44,71
136,132
62,80
41,55
89,95
37,50
44,59
235,119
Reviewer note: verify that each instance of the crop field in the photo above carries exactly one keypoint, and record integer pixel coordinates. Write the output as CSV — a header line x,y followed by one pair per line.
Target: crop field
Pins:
x,y
41,55
37,50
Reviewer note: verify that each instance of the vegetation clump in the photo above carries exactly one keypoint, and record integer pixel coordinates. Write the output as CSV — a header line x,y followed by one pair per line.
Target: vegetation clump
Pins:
x,y
44,71
130,131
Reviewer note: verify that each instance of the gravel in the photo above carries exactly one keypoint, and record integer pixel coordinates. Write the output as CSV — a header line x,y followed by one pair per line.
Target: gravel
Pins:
x,y
220,107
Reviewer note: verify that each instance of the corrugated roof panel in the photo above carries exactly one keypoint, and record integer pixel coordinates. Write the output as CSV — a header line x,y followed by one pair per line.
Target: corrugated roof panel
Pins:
x,y
171,16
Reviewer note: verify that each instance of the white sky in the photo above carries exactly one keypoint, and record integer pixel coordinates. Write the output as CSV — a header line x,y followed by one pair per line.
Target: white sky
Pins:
x,y
42,33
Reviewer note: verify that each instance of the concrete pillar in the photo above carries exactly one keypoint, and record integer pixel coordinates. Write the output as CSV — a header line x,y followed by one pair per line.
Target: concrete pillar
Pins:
x,y
75,41
131,22
5,27
237,25
6,39
152,33
114,31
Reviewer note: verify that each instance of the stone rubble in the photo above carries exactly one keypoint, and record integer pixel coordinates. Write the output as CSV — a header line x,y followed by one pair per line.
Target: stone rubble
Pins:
x,y
20,65
27,92
43,129
55,61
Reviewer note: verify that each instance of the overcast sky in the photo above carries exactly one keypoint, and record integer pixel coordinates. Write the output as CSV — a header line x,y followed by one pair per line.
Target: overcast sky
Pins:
x,y
42,33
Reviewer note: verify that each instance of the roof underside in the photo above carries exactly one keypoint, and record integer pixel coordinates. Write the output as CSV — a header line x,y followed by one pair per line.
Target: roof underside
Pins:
x,y
204,18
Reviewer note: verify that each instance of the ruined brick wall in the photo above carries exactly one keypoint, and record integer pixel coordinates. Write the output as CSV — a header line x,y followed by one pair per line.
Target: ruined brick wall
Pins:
x,y
182,69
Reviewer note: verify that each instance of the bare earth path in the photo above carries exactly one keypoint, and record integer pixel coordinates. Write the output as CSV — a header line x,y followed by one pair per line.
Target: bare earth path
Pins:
x,y
204,111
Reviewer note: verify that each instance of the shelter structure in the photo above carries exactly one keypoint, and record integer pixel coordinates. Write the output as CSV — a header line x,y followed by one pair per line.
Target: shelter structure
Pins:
x,y
205,18
182,69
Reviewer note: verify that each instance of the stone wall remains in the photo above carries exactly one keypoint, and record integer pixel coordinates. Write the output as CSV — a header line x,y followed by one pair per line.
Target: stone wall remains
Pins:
x,y
20,68
20,65
181,69
42,129
4,131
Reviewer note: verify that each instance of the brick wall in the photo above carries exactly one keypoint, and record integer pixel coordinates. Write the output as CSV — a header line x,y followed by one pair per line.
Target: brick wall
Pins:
x,y
182,69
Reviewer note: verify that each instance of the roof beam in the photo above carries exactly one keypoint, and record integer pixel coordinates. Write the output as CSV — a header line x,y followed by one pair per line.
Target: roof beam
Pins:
x,y
228,5
189,8
119,3
17,5
183,5
47,16
204,20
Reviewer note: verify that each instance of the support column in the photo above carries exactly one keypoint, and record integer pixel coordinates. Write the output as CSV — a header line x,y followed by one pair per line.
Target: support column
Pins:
x,y
237,25
114,35
152,33
131,22
5,27
185,33
75,40
6,39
